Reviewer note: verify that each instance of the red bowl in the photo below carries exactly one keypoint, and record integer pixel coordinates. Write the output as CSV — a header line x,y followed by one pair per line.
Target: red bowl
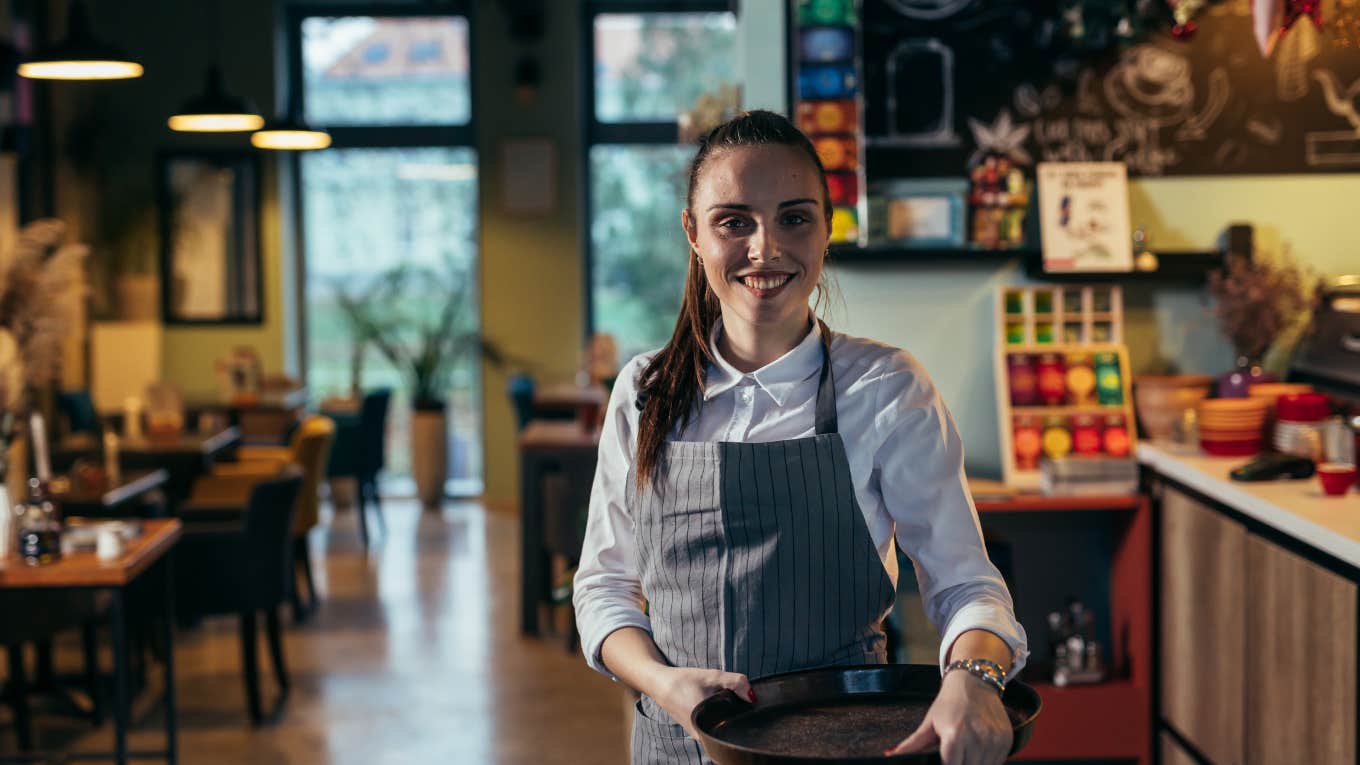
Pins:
x,y
1231,448
1336,477
1302,407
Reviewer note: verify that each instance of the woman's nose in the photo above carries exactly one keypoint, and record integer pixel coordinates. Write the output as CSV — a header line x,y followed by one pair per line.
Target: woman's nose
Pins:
x,y
761,246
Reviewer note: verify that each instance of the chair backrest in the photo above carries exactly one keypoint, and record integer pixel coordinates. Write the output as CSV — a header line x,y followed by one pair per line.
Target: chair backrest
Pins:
x,y
311,447
78,409
373,431
521,390
269,538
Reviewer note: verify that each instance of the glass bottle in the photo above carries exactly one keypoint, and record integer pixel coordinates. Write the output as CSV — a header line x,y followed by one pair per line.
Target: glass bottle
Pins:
x,y
39,526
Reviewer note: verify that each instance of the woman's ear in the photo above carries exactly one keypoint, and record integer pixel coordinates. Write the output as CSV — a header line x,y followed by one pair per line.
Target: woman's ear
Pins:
x,y
691,230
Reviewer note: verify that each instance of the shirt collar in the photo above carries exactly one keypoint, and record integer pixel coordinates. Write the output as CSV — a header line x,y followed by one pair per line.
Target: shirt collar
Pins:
x,y
777,378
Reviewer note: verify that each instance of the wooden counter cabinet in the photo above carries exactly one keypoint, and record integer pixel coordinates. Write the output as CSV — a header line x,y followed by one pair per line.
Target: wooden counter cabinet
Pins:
x,y
1258,644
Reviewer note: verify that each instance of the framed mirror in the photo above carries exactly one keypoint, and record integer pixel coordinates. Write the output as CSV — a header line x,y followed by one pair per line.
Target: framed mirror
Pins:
x,y
210,237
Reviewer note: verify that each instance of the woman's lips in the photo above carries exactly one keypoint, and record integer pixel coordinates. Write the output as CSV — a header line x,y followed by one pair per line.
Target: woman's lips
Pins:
x,y
766,285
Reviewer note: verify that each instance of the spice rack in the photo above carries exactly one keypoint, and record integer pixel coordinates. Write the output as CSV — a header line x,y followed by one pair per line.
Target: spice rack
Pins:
x,y
1063,381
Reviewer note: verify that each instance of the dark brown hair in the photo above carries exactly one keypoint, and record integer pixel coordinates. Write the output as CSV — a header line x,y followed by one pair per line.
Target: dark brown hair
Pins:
x,y
670,386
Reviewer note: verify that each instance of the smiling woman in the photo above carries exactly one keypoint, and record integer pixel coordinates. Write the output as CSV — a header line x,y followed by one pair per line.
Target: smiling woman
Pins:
x,y
757,473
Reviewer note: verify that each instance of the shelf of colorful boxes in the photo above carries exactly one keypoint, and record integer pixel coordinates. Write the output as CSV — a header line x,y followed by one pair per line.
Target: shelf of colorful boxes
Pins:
x,y
829,106
1063,382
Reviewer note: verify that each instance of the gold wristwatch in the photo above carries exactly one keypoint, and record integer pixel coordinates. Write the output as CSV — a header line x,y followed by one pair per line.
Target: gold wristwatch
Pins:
x,y
985,670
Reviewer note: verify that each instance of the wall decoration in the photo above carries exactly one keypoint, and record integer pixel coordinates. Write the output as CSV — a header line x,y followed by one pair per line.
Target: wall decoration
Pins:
x,y
1084,216
919,212
210,237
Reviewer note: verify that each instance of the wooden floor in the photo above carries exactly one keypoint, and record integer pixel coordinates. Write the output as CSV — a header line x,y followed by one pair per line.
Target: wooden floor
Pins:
x,y
414,656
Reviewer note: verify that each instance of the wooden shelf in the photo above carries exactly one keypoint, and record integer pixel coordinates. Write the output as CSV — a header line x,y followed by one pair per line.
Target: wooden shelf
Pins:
x,y
1070,409
1186,267
1105,721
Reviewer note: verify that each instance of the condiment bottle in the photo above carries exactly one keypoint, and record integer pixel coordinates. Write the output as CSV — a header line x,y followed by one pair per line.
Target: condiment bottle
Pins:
x,y
39,527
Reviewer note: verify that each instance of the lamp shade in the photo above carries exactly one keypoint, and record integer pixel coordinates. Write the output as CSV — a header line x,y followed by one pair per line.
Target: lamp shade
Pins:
x,y
289,134
81,56
216,111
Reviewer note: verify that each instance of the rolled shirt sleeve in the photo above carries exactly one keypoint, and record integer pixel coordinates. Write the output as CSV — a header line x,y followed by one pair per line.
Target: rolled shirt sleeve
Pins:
x,y
924,489
607,593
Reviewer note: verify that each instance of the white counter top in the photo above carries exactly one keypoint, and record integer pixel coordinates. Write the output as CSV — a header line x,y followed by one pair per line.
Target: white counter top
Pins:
x,y
1297,508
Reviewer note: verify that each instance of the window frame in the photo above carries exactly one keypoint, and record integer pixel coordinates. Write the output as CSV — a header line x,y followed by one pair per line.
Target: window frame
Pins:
x,y
594,132
292,101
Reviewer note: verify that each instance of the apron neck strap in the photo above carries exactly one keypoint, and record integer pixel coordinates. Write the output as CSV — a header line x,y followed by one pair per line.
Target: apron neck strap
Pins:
x,y
826,387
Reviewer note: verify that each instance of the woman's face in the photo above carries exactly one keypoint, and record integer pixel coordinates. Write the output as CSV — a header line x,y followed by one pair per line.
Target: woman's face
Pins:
x,y
758,223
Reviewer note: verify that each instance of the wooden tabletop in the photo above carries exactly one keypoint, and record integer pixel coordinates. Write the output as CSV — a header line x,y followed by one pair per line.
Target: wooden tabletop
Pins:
x,y
557,435
83,569
135,483
291,398
569,395
185,443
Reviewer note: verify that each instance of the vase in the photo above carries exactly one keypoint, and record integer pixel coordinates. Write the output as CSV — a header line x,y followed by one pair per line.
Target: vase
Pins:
x,y
430,455
1238,382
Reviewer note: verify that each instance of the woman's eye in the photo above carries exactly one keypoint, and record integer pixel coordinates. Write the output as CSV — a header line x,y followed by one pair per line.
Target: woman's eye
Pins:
x,y
731,223
795,218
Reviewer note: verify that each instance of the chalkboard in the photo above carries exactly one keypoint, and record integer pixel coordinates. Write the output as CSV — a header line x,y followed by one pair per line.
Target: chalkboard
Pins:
x,y
938,72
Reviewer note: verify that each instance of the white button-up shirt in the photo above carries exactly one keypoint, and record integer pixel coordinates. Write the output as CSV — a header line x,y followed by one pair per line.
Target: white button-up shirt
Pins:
x,y
906,460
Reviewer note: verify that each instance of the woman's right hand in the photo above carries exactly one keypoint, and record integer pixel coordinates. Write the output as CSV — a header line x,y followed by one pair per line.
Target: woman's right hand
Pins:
x,y
679,690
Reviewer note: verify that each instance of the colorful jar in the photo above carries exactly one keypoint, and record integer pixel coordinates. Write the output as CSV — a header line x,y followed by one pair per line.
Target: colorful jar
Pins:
x,y
1024,381
1057,441
1086,439
1081,378
1043,332
1052,379
1028,442
1109,382
1116,436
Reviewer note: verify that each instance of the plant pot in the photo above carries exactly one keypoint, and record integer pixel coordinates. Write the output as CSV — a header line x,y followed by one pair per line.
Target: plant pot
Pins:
x,y
1161,400
430,454
137,297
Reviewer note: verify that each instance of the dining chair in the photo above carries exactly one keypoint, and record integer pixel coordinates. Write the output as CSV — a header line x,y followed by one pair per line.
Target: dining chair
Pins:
x,y
35,617
360,452
77,408
246,568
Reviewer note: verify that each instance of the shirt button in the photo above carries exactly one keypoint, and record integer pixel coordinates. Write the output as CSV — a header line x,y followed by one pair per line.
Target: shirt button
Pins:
x,y
746,394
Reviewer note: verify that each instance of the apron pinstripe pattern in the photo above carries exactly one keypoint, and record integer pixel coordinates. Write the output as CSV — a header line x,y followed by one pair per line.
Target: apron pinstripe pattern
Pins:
x,y
755,558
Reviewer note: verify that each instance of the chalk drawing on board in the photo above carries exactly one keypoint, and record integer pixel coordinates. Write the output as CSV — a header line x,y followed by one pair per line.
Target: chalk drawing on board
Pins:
x,y
1151,84
929,10
1332,148
1266,130
1197,126
1026,100
1088,100
909,64
1230,154
1004,136
1292,55
1340,102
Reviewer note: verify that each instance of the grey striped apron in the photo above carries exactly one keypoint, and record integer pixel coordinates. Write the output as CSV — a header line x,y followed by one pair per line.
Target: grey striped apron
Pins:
x,y
755,558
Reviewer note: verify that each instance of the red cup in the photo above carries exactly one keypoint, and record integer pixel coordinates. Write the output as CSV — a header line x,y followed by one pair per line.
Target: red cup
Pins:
x,y
1336,477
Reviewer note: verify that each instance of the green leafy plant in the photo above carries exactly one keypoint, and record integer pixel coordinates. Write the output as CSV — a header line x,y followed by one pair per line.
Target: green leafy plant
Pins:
x,y
422,321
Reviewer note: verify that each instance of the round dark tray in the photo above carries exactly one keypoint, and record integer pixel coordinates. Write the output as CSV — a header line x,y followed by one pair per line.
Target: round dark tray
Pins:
x,y
837,714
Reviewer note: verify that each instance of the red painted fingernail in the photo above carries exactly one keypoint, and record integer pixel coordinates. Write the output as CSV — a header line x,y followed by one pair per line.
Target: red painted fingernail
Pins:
x,y
887,752
751,694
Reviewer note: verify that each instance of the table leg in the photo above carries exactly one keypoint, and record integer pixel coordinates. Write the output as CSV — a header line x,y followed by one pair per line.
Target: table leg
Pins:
x,y
118,619
531,542
168,638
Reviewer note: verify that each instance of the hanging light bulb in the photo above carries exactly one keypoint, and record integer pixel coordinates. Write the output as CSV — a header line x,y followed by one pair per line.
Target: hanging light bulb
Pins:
x,y
216,111
81,56
290,134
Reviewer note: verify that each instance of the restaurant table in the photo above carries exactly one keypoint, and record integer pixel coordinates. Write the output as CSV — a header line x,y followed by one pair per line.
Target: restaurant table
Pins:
x,y
108,501
264,418
183,457
565,399
547,446
82,571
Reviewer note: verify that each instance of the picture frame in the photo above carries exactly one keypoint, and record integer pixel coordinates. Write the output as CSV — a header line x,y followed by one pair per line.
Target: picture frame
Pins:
x,y
919,212
210,261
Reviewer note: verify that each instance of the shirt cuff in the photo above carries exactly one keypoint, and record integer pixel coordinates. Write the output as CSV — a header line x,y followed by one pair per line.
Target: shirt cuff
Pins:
x,y
592,643
994,619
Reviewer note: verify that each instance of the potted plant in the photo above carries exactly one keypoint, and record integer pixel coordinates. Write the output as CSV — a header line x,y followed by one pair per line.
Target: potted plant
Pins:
x,y
422,321
1259,301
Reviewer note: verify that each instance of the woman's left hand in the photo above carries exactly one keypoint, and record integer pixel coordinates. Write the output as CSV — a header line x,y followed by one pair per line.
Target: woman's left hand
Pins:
x,y
966,721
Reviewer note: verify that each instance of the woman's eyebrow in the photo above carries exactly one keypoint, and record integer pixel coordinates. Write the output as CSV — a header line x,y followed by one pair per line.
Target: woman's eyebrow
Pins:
x,y
782,205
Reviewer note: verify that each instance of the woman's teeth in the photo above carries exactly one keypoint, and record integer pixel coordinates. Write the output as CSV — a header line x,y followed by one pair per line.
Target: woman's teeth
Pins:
x,y
766,282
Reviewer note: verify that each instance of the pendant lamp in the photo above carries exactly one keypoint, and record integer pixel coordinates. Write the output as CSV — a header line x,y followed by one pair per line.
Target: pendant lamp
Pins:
x,y
81,56
216,111
291,134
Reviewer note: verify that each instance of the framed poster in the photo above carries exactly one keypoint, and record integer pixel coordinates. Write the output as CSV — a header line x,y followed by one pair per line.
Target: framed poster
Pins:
x,y
210,237
1084,216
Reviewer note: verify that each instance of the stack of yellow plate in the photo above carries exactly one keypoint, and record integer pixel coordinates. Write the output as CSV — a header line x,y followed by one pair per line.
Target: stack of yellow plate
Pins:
x,y
1232,426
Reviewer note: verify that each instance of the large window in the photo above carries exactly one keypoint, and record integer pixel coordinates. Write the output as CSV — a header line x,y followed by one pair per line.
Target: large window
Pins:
x,y
649,61
398,190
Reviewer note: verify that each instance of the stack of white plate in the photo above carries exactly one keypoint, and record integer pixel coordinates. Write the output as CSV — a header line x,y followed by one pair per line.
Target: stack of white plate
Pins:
x,y
1303,439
